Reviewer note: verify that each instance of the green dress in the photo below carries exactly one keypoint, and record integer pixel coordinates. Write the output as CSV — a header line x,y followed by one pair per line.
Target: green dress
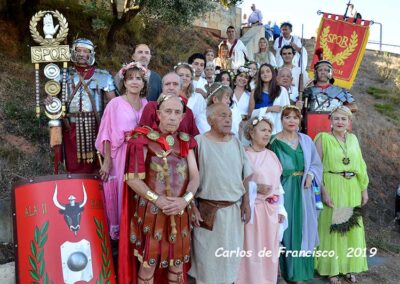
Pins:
x,y
350,248
293,268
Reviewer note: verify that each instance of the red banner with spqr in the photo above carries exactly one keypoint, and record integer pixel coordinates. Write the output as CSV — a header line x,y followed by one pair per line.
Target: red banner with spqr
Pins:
x,y
343,43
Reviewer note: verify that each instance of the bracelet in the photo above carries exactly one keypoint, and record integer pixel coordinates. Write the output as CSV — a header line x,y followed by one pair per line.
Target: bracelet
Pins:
x,y
151,196
188,196
311,175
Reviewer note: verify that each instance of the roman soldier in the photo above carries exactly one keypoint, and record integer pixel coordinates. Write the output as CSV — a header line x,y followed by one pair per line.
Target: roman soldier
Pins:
x,y
162,177
322,97
86,88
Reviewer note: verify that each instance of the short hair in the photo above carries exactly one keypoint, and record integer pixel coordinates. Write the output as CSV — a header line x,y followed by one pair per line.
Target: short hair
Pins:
x,y
253,122
171,73
286,24
162,98
280,70
140,44
287,46
195,56
289,109
211,110
344,110
209,50
230,27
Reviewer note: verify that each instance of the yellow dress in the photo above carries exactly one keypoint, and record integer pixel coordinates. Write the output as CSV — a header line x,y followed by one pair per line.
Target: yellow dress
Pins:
x,y
349,248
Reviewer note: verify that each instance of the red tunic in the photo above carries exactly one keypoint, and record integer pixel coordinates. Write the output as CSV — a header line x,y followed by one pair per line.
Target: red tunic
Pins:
x,y
145,230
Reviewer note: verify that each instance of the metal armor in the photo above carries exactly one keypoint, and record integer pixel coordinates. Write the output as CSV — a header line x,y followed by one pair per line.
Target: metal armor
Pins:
x,y
326,99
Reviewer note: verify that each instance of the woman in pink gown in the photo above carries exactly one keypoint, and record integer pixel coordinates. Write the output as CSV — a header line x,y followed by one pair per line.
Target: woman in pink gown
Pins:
x,y
121,115
263,232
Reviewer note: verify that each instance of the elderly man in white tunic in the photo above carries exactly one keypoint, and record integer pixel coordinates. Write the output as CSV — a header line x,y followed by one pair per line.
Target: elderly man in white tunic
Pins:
x,y
222,201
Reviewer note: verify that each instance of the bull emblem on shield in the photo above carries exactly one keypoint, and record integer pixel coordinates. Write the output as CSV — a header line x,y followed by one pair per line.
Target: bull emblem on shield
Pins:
x,y
72,211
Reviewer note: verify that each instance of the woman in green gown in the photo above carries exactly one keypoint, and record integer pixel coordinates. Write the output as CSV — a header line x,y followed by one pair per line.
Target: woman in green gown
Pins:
x,y
345,183
301,164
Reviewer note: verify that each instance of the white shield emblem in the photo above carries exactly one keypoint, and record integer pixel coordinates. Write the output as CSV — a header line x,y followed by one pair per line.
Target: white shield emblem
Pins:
x,y
76,259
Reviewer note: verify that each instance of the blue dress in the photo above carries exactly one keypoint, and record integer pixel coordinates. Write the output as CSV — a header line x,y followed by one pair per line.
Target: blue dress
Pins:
x,y
265,101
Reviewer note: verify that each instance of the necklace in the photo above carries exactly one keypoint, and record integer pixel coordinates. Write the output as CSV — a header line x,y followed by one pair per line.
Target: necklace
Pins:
x,y
292,143
345,160
257,151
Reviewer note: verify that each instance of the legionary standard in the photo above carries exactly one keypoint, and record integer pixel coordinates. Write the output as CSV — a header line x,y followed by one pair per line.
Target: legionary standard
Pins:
x,y
48,57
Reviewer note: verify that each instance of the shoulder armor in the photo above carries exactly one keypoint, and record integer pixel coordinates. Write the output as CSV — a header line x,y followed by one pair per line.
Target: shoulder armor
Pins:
x,y
184,136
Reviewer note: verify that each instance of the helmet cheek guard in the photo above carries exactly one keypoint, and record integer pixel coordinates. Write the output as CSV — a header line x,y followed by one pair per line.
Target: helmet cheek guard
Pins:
x,y
85,43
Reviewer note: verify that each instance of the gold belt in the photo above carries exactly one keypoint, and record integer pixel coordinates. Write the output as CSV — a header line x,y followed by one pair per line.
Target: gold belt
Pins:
x,y
298,173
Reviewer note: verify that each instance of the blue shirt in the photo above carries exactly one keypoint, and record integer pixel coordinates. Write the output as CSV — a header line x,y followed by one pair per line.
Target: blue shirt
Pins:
x,y
265,101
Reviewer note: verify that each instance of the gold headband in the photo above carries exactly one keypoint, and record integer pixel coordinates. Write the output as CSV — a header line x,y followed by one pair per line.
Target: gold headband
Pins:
x,y
291,107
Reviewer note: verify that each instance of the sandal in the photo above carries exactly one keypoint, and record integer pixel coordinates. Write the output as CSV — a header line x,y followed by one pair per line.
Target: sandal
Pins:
x,y
334,280
351,278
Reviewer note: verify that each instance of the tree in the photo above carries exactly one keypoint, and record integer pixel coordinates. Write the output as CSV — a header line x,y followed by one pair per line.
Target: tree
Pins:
x,y
178,12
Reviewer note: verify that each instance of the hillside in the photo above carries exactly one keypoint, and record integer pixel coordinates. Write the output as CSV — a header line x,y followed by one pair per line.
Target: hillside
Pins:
x,y
24,149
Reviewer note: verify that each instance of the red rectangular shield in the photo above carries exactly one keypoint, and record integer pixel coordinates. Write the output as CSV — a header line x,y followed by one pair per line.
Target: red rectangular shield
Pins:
x,y
61,232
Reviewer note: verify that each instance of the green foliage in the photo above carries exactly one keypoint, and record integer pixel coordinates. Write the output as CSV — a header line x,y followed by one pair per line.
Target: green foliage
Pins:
x,y
387,109
377,93
22,121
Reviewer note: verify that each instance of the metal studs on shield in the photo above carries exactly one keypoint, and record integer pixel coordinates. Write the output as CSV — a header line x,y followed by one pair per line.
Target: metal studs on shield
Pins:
x,y
76,259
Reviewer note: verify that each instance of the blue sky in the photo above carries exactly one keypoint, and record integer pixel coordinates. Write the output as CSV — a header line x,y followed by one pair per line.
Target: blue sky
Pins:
x,y
305,12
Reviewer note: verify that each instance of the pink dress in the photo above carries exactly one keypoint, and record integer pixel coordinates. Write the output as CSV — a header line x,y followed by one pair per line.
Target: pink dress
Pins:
x,y
262,237
119,118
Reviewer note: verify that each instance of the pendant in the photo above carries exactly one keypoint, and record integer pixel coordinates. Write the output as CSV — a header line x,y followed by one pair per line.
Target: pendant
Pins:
x,y
170,140
346,161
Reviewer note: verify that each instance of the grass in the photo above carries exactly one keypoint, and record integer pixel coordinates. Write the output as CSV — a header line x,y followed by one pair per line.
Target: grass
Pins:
x,y
377,93
388,110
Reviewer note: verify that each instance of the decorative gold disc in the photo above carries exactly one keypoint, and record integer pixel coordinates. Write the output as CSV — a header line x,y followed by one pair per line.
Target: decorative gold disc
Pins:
x,y
52,88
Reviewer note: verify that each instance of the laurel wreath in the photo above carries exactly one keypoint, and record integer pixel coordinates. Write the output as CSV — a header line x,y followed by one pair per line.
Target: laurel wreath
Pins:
x,y
106,262
340,57
36,259
61,35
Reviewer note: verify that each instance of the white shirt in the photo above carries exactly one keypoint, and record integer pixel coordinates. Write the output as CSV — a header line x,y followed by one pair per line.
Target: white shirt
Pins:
x,y
240,107
275,117
238,54
198,105
200,84
295,83
296,58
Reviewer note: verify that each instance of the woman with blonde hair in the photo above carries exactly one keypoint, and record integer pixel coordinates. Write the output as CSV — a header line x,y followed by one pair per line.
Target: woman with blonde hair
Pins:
x,y
223,60
344,191
264,55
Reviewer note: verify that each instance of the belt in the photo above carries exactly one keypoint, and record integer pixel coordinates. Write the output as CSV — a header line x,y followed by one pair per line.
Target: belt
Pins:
x,y
347,175
298,173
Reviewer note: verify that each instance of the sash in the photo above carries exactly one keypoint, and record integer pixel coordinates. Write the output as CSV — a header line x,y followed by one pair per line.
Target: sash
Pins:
x,y
233,46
